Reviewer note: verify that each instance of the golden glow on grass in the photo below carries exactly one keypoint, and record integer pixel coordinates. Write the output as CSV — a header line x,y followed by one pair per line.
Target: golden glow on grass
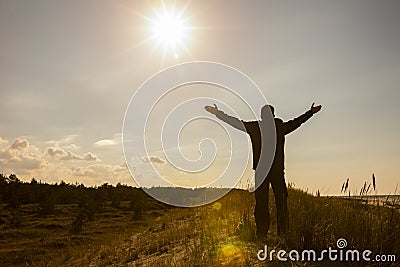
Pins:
x,y
230,255
217,206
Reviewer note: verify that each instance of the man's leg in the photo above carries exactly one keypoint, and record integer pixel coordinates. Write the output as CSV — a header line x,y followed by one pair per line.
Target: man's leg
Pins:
x,y
282,213
261,210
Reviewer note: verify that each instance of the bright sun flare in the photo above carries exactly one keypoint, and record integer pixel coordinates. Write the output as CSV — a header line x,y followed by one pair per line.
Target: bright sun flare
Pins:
x,y
169,29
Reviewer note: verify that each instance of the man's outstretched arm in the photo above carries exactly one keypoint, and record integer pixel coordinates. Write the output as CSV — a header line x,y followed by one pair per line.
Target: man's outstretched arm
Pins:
x,y
234,122
292,125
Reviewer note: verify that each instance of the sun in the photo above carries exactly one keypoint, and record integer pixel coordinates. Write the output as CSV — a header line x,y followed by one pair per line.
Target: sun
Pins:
x,y
169,29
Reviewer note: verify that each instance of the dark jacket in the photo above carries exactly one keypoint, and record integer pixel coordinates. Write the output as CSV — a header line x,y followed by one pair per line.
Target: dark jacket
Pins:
x,y
253,129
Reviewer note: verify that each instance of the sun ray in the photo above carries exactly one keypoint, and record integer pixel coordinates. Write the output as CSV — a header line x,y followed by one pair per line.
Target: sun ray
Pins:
x,y
168,49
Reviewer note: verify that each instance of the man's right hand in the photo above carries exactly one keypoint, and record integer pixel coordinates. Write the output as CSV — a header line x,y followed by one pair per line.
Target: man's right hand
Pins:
x,y
212,110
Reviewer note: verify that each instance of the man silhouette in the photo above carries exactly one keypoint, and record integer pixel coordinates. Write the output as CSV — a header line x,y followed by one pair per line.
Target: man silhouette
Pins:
x,y
275,176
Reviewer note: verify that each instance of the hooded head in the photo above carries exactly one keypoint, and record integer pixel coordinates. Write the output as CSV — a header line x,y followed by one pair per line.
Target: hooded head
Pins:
x,y
265,111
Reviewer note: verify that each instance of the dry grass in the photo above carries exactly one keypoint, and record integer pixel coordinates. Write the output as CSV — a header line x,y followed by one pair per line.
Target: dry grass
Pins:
x,y
219,234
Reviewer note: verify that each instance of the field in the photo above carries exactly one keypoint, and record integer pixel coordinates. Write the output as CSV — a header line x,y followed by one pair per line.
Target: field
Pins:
x,y
219,234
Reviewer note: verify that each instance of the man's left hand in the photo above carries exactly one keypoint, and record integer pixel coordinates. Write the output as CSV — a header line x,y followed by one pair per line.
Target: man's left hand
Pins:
x,y
315,109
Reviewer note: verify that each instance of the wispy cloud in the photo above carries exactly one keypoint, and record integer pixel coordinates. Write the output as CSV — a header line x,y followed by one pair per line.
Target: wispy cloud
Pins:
x,y
116,139
100,170
2,141
153,159
83,171
62,154
21,157
105,142
54,164
90,157
20,144
65,142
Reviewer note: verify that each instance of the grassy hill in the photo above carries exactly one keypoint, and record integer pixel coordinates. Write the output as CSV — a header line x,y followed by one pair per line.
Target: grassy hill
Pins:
x,y
142,232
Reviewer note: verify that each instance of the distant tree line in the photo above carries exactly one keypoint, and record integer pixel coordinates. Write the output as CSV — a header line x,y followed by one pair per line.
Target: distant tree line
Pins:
x,y
14,192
